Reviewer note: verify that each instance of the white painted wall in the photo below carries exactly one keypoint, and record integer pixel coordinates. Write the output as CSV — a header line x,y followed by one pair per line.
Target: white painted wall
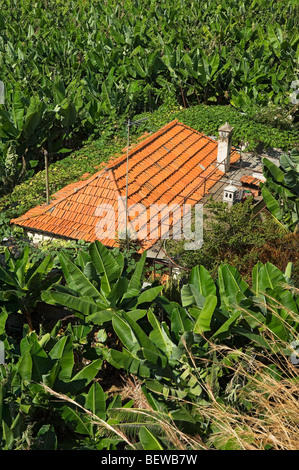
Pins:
x,y
39,237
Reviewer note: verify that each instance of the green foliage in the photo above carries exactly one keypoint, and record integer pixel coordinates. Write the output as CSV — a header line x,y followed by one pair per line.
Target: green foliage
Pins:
x,y
156,357
98,286
281,189
148,440
230,234
258,136
170,357
68,68
241,310
29,127
22,281
30,418
50,248
190,365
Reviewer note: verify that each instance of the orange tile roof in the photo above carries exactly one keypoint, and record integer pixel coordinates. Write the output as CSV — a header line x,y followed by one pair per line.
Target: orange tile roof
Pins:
x,y
251,180
175,165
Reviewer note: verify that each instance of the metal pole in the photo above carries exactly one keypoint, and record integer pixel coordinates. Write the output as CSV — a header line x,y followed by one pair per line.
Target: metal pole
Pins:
x,y
130,123
47,176
127,178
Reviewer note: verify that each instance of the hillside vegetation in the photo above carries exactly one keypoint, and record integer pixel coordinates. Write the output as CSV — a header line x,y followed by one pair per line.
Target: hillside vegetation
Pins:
x,y
127,368
97,350
70,66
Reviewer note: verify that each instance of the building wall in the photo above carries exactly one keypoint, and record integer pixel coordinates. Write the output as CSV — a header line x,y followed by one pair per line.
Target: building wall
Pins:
x,y
39,237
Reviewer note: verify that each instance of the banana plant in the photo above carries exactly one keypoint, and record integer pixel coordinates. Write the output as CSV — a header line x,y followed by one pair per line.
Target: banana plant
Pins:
x,y
44,376
20,132
30,124
160,359
40,367
230,308
96,65
167,355
22,281
97,286
281,189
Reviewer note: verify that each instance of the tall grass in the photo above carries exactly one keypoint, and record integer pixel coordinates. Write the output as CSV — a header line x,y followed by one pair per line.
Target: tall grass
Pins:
x,y
256,409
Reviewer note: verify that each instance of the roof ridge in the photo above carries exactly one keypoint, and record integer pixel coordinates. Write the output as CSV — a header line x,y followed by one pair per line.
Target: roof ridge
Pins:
x,y
161,145
179,168
201,133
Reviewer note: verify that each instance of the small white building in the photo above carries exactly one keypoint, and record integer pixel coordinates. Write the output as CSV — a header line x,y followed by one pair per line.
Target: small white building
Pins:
x,y
230,194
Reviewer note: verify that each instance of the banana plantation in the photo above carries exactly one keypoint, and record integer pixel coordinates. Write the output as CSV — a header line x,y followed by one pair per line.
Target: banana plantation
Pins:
x,y
70,67
101,348
195,373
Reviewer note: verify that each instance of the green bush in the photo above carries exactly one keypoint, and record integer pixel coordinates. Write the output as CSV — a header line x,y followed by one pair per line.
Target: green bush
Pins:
x,y
215,373
235,236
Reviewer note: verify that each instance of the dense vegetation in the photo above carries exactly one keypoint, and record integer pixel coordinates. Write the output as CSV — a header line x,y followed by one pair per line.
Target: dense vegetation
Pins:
x,y
281,190
240,238
215,370
206,119
68,67
99,353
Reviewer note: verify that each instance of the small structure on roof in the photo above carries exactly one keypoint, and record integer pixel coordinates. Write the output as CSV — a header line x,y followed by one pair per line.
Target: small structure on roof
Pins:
x,y
176,165
251,184
230,194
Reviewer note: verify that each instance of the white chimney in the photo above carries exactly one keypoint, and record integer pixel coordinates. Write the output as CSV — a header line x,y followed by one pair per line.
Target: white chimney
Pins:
x,y
224,147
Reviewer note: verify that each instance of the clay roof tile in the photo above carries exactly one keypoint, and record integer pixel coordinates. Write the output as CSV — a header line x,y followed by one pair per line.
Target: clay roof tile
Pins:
x,y
168,166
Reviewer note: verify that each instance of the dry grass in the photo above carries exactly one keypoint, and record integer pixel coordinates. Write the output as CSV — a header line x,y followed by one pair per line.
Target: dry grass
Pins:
x,y
257,408
261,407
261,413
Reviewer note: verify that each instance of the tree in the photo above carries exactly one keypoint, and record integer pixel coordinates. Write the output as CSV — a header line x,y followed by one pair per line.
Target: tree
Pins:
x,y
230,234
